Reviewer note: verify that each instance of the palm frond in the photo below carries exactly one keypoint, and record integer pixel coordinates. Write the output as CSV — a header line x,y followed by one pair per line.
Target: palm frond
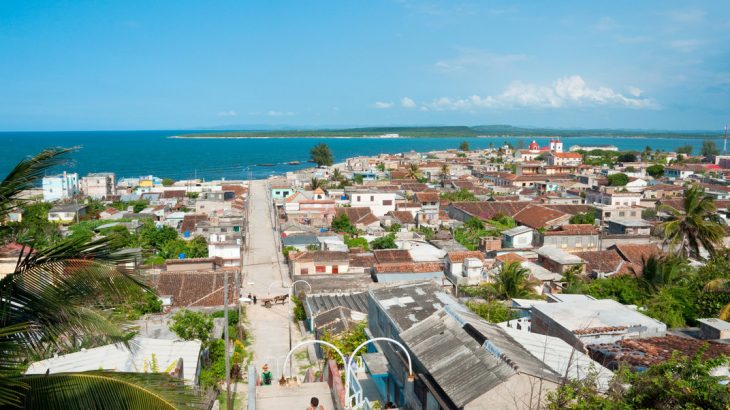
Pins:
x,y
107,391
26,174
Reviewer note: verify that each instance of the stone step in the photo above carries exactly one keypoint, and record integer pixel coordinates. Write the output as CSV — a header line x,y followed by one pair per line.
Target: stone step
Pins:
x,y
292,397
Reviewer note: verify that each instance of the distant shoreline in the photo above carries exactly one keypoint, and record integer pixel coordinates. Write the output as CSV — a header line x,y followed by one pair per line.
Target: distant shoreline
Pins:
x,y
487,131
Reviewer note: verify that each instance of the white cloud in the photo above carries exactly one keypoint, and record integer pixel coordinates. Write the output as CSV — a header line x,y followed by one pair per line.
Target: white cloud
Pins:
x,y
229,113
564,92
273,113
635,91
382,105
477,58
685,46
407,102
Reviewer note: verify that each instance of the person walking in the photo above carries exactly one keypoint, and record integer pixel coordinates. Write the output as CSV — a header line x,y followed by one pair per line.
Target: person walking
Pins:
x,y
254,299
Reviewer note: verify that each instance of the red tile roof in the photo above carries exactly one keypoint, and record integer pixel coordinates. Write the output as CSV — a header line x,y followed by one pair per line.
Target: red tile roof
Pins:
x,y
510,258
537,216
412,267
392,256
573,229
459,256
194,289
427,196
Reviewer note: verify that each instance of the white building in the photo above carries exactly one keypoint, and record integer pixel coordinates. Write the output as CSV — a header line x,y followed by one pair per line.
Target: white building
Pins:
x,y
465,267
61,186
99,185
226,247
380,203
612,198
556,145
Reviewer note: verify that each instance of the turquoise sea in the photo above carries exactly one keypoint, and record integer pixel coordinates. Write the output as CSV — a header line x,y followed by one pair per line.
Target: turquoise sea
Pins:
x,y
135,153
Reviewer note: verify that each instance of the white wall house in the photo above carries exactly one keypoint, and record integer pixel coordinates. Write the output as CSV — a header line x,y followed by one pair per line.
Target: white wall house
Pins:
x,y
226,247
613,198
380,203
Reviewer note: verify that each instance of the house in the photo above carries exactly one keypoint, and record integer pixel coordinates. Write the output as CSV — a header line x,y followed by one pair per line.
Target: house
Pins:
x,y
628,227
111,213
557,260
66,213
179,358
601,264
606,213
592,322
60,187
465,267
429,212
537,216
99,185
612,197
398,265
403,218
226,246
360,217
281,191
517,237
460,360
379,202
318,263
563,158
636,254
574,237
678,172
300,242
195,285
9,255
639,354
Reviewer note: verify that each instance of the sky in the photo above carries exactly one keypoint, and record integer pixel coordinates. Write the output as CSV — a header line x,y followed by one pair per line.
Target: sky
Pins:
x,y
125,65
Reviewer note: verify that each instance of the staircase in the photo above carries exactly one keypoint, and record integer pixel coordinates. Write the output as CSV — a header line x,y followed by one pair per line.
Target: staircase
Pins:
x,y
293,397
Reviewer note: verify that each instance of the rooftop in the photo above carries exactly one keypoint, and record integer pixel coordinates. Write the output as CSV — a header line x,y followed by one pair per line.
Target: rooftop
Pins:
x,y
558,255
596,316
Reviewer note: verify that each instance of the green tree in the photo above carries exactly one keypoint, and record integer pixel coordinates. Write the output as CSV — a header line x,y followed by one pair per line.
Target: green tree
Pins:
x,y
168,181
341,223
685,149
618,179
346,342
321,155
656,170
627,157
356,243
464,146
153,237
583,218
512,281
462,195
35,229
709,148
384,242
337,175
189,325
53,301
699,225
492,311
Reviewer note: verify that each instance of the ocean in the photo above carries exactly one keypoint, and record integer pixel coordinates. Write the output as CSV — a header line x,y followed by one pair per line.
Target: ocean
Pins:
x,y
136,153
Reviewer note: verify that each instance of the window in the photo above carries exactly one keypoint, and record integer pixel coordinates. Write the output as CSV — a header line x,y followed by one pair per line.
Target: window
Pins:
x,y
320,269
622,213
335,269
304,271
358,198
372,198
277,193
633,213
387,202
608,214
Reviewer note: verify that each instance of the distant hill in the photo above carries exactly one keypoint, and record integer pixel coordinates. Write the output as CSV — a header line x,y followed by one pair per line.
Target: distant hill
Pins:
x,y
453,131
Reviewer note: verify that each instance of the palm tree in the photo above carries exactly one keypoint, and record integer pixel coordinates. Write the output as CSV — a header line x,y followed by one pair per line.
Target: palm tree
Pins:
x,y
697,226
657,272
337,174
413,171
445,171
315,183
512,281
57,296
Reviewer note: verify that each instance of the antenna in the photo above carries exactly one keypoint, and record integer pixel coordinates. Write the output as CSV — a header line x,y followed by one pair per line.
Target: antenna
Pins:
x,y
724,144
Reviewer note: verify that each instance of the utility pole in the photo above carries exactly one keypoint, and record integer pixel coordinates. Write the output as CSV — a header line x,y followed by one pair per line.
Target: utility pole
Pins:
x,y
229,405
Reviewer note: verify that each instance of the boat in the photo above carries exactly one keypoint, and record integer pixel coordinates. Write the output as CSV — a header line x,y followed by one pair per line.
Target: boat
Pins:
x,y
293,162
264,165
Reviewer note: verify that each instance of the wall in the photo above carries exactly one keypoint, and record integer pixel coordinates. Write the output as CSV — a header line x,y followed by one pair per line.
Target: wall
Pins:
x,y
572,242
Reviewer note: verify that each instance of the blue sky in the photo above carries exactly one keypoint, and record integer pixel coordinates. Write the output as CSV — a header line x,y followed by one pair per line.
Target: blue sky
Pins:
x,y
90,65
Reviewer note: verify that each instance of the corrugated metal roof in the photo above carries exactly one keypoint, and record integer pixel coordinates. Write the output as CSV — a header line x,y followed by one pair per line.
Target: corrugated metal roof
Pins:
x,y
319,303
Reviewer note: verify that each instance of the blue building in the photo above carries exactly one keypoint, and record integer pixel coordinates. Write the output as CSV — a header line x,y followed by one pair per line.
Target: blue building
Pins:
x,y
60,187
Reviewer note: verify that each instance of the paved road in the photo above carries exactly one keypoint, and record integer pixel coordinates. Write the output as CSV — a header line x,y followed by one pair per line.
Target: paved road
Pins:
x,y
265,270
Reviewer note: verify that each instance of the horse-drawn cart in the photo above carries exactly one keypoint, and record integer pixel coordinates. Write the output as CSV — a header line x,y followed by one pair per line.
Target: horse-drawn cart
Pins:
x,y
268,302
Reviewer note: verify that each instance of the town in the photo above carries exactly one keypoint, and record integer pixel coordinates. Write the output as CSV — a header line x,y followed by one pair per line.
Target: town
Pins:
x,y
536,275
